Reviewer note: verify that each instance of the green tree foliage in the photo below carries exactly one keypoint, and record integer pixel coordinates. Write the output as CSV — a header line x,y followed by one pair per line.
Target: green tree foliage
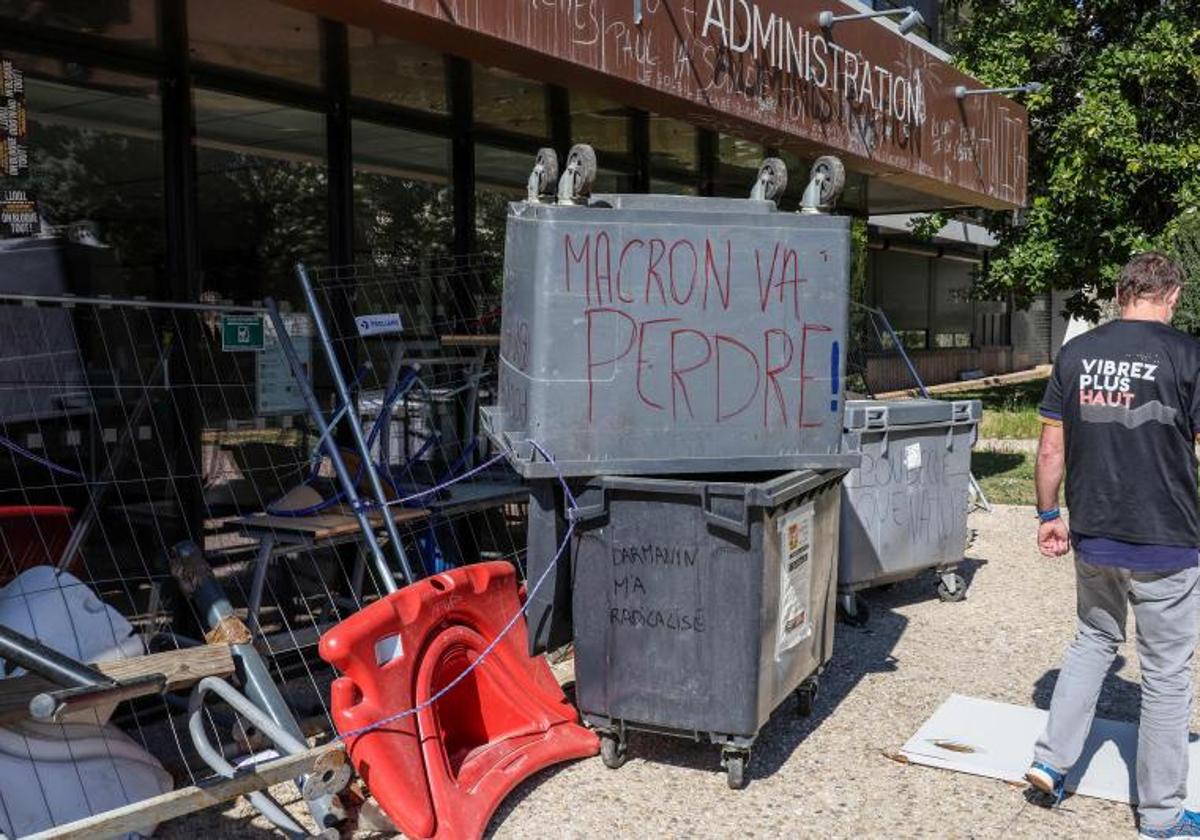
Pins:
x,y
1114,135
1182,241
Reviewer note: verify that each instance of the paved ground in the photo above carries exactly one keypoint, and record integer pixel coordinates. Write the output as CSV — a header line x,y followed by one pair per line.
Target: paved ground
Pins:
x,y
828,776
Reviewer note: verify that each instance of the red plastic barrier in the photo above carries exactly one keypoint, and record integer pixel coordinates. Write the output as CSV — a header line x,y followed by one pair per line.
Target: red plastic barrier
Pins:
x,y
32,535
444,771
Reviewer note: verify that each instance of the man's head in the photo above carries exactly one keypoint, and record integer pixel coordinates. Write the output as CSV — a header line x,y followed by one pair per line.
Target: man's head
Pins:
x,y
1149,287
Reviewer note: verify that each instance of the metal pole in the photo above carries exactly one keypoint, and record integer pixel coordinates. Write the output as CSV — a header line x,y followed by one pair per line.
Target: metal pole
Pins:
x,y
314,409
887,325
356,431
137,303
195,577
33,656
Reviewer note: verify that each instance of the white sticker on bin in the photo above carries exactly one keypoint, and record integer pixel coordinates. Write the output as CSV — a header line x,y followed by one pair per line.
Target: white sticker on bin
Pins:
x,y
795,578
379,324
912,456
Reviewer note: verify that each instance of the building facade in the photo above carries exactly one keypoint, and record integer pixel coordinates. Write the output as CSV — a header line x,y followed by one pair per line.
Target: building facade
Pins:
x,y
208,145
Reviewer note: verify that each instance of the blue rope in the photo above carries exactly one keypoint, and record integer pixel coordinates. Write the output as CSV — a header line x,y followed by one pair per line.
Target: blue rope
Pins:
x,y
324,443
17,449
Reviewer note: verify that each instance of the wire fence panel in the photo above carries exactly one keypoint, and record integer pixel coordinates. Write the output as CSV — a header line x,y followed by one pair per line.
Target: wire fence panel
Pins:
x,y
419,344
127,428
132,429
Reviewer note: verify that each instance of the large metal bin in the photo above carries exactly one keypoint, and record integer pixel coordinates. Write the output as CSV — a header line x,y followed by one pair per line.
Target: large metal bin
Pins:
x,y
666,334
904,509
699,606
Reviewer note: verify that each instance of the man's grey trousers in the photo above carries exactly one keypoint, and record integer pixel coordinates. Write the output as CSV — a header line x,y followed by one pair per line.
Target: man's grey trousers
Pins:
x,y
1166,611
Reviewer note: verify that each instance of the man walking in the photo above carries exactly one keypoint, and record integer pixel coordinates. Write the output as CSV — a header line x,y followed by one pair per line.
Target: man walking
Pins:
x,y
1120,415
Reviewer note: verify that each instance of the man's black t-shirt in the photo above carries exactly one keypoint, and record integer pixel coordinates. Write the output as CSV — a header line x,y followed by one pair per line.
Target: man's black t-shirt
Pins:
x,y
1128,396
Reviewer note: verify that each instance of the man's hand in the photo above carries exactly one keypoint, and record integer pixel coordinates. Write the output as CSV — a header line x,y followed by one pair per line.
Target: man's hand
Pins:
x,y
1053,540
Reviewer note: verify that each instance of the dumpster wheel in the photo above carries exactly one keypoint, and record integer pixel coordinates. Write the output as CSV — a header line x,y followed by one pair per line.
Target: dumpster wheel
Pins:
x,y
952,588
612,750
806,696
853,609
735,762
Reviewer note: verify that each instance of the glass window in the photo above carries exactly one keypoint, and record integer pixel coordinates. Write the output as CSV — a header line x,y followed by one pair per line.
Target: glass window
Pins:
x,y
613,181
602,123
734,151
957,340
737,166
132,21
501,176
672,144
96,172
257,36
403,205
910,339
508,101
672,188
260,171
397,72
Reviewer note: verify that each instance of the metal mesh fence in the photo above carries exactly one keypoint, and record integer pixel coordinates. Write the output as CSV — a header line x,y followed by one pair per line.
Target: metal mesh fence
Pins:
x,y
130,427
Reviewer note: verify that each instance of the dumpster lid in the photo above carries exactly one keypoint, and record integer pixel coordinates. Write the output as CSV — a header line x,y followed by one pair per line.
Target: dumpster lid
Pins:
x,y
886,414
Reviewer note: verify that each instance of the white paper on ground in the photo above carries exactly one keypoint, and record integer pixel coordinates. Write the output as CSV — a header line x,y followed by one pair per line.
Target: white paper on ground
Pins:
x,y
1002,735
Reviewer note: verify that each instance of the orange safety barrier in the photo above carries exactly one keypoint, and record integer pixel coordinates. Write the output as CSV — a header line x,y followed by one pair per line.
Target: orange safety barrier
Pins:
x,y
444,770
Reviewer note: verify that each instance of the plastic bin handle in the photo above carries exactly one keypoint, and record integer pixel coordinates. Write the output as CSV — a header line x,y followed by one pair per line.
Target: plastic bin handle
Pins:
x,y
741,525
876,417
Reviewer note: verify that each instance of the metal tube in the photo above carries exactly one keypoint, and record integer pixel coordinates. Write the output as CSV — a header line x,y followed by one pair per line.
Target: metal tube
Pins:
x,y
53,706
196,579
73,300
39,659
386,578
887,325
356,431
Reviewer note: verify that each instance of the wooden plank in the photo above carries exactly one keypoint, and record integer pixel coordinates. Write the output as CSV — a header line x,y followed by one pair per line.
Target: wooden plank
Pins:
x,y
181,668
470,340
188,800
969,385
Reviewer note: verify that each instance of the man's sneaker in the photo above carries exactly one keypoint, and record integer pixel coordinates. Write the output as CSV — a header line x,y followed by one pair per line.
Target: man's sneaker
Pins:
x,y
1188,825
1048,780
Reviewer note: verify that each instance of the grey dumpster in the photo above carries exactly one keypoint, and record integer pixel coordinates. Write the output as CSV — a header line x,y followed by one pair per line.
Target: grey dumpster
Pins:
x,y
699,606
648,334
904,509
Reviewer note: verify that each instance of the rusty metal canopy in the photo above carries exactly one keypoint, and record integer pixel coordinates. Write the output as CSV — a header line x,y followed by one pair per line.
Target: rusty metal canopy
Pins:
x,y
761,69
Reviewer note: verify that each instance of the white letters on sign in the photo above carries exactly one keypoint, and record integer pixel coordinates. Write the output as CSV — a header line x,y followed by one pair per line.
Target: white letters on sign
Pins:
x,y
388,322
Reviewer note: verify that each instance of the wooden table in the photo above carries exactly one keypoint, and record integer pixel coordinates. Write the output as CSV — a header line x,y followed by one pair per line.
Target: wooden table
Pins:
x,y
281,535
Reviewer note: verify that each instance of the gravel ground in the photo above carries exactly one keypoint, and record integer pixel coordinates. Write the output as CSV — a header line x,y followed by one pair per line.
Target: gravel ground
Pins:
x,y
828,776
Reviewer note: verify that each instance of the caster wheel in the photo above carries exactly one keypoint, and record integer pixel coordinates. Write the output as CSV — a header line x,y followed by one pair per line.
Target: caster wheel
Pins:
x,y
853,610
806,698
578,175
773,178
735,769
612,751
833,175
952,595
546,169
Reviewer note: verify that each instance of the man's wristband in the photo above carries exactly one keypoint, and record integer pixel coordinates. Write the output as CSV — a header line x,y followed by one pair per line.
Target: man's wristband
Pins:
x,y
1045,516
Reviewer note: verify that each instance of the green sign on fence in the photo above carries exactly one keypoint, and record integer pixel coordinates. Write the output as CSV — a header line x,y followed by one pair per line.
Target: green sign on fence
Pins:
x,y
242,333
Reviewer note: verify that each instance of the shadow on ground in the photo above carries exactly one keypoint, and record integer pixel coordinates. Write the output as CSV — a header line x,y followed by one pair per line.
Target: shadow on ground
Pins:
x,y
857,653
1120,699
987,464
